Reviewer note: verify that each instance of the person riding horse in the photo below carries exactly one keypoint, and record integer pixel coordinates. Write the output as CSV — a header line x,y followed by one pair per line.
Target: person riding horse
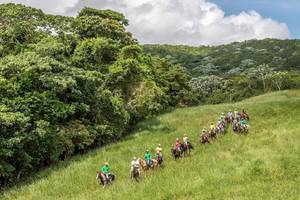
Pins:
x,y
204,137
105,171
185,140
186,146
158,155
244,115
135,169
176,149
148,159
212,126
104,175
178,145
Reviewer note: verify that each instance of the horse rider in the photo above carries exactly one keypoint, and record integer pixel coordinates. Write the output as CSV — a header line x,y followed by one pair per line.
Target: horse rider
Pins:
x,y
222,117
159,150
212,127
105,170
243,122
185,140
236,114
148,159
203,134
135,165
178,144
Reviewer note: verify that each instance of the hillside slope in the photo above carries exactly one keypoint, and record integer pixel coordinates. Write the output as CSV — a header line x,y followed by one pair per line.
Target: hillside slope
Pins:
x,y
262,165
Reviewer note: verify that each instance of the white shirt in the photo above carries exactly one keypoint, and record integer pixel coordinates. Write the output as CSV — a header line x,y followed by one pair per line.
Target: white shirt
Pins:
x,y
159,149
185,139
135,163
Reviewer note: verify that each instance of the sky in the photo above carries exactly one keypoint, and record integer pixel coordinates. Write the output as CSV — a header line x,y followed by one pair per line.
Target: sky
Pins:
x,y
192,22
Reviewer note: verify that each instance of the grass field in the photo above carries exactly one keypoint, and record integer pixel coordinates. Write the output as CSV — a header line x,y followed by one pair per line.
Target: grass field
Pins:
x,y
265,164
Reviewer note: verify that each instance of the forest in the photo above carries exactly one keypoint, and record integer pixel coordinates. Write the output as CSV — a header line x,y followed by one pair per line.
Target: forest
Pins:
x,y
235,71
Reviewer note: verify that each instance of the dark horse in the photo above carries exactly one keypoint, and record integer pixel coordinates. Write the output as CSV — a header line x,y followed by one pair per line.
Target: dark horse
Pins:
x,y
237,128
204,138
213,133
186,149
135,174
176,153
103,180
159,159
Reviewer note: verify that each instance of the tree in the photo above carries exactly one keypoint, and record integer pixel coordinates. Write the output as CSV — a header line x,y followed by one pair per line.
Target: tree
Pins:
x,y
277,79
261,73
95,54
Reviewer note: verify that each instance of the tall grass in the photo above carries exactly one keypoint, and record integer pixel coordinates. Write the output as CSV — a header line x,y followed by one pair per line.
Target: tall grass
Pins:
x,y
265,164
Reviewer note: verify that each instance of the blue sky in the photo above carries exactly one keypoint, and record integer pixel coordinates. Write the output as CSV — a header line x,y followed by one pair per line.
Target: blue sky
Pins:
x,y
287,11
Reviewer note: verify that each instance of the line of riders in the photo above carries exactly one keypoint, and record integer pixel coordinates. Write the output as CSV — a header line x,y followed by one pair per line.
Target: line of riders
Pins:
x,y
238,120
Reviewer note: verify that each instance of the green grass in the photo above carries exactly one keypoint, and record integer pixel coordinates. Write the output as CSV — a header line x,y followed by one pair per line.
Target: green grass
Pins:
x,y
262,165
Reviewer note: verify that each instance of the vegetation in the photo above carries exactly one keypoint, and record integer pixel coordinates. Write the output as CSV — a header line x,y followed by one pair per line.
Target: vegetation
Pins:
x,y
236,71
234,58
69,84
261,165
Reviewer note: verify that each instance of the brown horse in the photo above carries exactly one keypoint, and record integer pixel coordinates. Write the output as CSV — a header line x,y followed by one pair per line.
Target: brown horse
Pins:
x,y
144,166
204,138
176,153
212,133
186,149
103,180
159,159
135,174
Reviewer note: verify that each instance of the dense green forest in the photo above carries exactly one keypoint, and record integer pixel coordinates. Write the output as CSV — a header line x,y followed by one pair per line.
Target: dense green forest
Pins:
x,y
238,70
69,84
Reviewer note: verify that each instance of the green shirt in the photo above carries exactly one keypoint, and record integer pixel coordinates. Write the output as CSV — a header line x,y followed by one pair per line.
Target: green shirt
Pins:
x,y
105,169
148,156
243,122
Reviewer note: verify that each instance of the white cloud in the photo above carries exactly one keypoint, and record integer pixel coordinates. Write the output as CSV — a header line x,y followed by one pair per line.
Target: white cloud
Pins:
x,y
192,22
48,6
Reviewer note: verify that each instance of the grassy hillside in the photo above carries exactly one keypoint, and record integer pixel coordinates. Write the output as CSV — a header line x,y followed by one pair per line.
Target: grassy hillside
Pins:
x,y
262,165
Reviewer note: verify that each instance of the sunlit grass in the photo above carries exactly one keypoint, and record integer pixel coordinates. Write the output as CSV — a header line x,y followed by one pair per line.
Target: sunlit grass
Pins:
x,y
262,165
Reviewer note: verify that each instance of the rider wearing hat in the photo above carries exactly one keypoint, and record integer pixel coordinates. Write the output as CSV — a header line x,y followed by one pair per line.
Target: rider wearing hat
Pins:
x,y
105,170
135,164
212,126
159,150
178,144
148,158
185,139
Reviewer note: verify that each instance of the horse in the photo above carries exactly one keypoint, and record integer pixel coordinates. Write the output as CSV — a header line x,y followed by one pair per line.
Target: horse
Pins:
x,y
229,119
103,180
237,128
204,138
175,153
159,160
213,133
244,129
186,149
135,174
145,167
